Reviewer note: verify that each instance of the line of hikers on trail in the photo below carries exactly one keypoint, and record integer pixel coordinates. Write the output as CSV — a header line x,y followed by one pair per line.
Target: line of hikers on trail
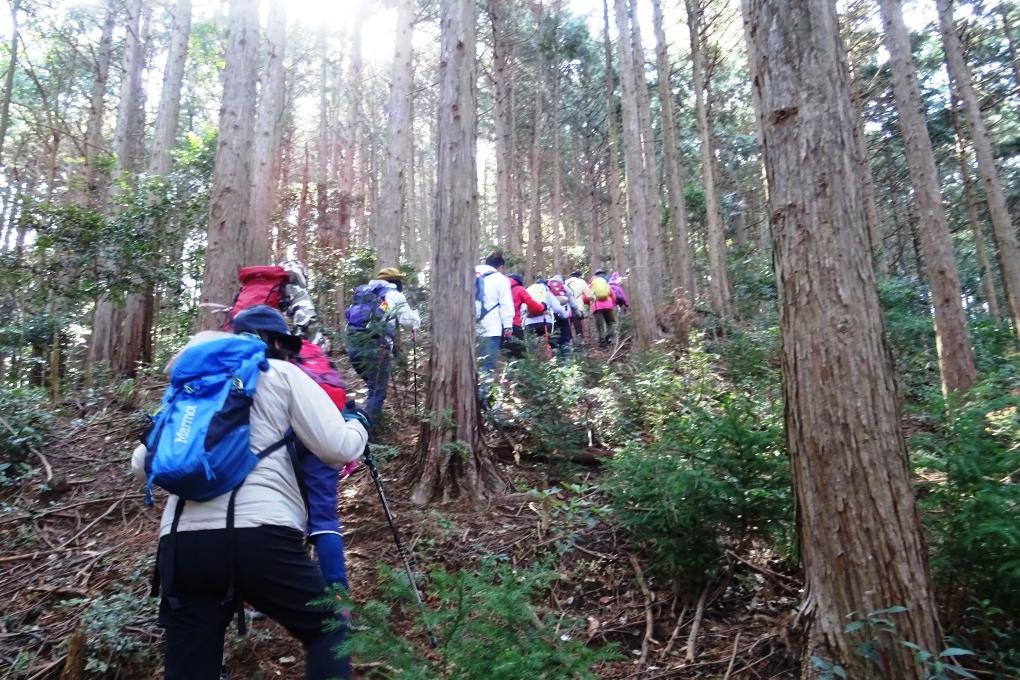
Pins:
x,y
256,430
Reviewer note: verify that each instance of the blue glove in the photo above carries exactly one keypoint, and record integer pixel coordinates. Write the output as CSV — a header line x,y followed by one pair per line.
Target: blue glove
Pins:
x,y
329,548
353,413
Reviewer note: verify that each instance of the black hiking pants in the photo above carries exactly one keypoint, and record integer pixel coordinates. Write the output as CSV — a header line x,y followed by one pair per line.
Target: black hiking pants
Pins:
x,y
272,572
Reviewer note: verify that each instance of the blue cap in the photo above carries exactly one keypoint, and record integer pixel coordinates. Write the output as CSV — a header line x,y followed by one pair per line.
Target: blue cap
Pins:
x,y
263,318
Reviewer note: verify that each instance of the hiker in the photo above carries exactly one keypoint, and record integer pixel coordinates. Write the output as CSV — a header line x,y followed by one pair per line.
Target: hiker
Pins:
x,y
522,302
379,307
494,317
616,283
603,308
542,324
248,545
320,480
582,292
564,329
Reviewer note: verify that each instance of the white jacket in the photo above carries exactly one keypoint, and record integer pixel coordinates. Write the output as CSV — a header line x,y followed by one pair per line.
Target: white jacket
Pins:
x,y
553,309
285,398
397,309
498,300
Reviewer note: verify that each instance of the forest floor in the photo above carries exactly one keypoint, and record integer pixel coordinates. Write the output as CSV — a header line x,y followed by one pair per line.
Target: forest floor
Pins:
x,y
76,555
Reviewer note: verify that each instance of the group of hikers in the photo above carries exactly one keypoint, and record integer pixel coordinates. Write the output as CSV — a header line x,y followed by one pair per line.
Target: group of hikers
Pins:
x,y
238,520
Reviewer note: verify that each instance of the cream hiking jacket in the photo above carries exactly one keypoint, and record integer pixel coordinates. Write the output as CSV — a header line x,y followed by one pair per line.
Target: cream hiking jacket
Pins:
x,y
285,398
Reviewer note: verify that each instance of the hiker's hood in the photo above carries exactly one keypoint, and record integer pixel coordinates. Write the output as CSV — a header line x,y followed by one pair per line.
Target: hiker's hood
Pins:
x,y
514,283
558,277
382,282
615,278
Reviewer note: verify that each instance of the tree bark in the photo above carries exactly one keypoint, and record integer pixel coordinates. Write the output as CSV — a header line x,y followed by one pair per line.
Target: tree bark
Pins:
x,y
683,273
1002,226
108,344
867,181
268,134
860,534
718,279
952,338
1007,29
452,459
228,206
93,142
499,19
984,262
556,200
656,259
612,161
535,261
393,211
646,330
301,227
12,64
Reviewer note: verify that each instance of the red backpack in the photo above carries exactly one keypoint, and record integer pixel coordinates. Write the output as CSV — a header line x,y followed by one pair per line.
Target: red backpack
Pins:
x,y
313,361
558,290
260,286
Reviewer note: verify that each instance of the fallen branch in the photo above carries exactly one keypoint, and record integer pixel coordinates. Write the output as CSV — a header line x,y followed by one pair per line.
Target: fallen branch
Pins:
x,y
764,570
95,521
649,616
733,656
692,638
673,636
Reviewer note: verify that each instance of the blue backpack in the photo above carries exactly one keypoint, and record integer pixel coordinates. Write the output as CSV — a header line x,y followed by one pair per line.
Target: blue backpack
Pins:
x,y
480,309
367,306
199,442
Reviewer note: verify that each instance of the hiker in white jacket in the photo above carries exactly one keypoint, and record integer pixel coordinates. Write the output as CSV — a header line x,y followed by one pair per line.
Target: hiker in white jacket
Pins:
x,y
494,314
262,561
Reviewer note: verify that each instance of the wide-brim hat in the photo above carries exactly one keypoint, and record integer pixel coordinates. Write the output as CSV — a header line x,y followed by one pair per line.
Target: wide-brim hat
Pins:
x,y
389,273
265,319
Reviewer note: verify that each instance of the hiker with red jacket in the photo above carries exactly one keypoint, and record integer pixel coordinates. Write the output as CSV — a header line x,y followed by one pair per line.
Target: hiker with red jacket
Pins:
x,y
603,308
522,301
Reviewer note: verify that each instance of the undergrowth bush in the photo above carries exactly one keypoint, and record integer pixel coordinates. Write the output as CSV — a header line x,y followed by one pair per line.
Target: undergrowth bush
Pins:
x,y
471,611
969,491
27,419
551,403
716,476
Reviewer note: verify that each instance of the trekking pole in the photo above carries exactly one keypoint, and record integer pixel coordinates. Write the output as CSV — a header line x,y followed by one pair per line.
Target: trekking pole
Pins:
x,y
414,367
374,471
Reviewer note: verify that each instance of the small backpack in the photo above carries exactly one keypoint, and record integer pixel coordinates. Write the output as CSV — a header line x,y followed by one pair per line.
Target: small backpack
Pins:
x,y
600,287
314,362
368,306
559,290
480,310
260,286
199,442
538,292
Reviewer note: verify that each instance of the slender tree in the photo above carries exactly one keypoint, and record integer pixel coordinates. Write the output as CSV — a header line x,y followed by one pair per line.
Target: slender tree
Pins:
x,y
499,20
12,65
452,459
683,272
228,205
646,331
535,260
1002,227
268,135
93,142
718,279
612,161
952,339
860,535
399,141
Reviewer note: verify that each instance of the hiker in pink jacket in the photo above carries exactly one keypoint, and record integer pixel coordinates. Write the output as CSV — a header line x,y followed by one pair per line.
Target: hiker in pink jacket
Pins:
x,y
603,308
616,284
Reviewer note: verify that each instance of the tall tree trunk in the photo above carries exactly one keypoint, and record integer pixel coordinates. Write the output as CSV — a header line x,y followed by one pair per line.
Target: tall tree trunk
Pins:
x,y
683,273
452,459
867,180
12,65
499,18
984,262
652,208
231,189
646,330
952,339
323,230
718,279
1007,29
860,534
107,344
93,143
612,162
556,200
533,264
139,307
393,211
301,226
1002,227
350,195
268,133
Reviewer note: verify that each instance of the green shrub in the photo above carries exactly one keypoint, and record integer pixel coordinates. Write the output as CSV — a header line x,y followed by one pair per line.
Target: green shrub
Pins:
x,y
716,477
471,613
969,493
26,411
911,337
551,403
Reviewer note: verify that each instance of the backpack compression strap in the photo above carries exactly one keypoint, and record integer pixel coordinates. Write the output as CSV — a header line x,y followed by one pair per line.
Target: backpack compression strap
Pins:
x,y
485,312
